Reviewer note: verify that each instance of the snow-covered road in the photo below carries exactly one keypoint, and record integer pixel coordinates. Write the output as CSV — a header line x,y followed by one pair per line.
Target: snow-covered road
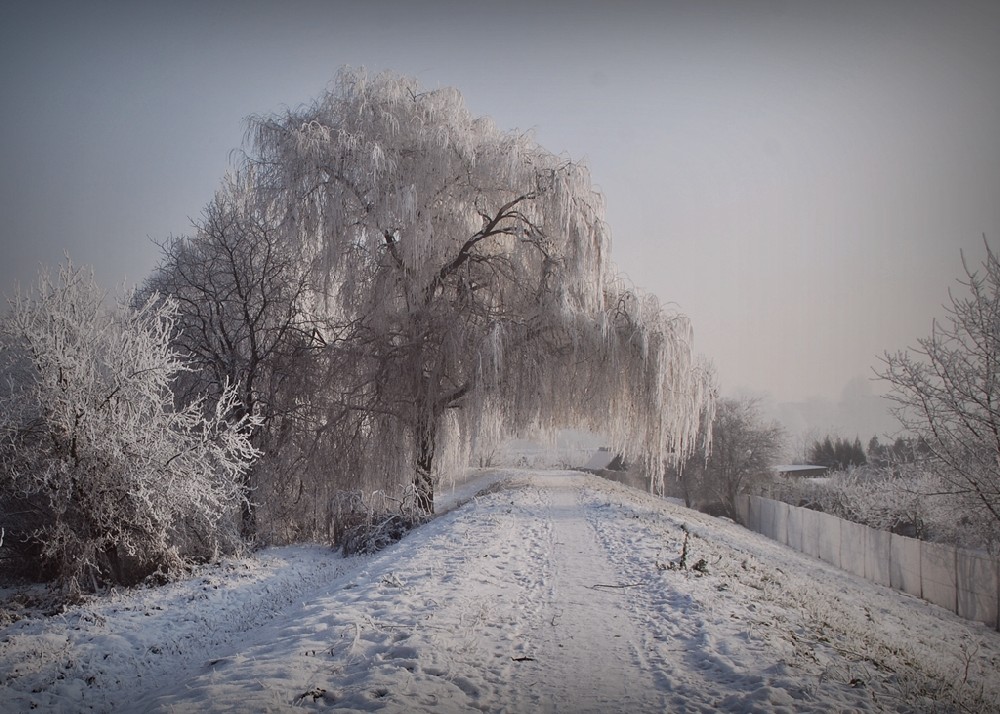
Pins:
x,y
553,591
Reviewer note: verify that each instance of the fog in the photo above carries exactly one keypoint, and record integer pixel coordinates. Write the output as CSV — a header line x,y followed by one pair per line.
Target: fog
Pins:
x,y
798,178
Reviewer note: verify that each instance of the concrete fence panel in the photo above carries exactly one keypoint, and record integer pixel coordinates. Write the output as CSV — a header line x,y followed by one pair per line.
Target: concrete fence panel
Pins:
x,y
765,509
743,510
829,538
904,564
753,513
781,522
978,587
853,547
810,532
938,577
878,556
768,516
795,529
759,505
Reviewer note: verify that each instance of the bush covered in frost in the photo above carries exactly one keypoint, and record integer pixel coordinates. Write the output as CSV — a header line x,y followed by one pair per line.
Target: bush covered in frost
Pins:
x,y
102,478
907,499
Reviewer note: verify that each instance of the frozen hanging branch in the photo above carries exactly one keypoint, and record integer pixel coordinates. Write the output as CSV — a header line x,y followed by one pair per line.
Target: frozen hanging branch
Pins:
x,y
464,278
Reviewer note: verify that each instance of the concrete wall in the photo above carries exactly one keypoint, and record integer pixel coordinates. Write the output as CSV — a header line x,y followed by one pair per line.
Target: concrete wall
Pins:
x,y
904,564
853,547
878,556
965,582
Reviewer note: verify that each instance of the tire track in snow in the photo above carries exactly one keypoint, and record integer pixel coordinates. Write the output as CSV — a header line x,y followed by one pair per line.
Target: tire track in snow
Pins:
x,y
690,666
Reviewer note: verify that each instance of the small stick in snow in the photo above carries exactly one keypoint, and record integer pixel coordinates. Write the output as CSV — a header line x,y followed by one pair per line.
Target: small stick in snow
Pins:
x,y
626,585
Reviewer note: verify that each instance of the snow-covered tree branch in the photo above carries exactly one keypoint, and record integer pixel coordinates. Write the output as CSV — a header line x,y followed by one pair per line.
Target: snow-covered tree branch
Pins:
x,y
947,390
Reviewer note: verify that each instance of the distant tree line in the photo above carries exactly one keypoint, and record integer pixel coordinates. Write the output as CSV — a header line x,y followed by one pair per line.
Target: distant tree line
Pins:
x,y
842,454
837,454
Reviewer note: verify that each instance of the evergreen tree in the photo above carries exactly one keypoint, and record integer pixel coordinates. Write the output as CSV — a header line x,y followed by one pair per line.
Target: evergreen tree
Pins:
x,y
837,454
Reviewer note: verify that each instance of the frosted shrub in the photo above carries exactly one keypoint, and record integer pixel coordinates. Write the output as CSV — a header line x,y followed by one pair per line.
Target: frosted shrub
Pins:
x,y
881,500
365,524
909,500
116,481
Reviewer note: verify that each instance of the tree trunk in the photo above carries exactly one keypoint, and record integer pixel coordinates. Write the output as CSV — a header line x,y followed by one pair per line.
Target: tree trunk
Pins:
x,y
685,479
423,480
248,513
249,521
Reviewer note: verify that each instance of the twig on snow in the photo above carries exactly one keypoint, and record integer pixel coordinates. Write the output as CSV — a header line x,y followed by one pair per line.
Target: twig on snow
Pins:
x,y
626,585
377,625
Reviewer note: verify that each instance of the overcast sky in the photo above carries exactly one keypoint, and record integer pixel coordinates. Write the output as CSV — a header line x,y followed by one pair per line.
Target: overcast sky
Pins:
x,y
797,177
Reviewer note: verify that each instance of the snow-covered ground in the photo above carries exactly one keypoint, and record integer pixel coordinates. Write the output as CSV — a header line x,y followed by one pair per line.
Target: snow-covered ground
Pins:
x,y
550,591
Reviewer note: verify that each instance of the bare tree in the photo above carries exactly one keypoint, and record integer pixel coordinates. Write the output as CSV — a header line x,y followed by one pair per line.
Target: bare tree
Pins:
x,y
117,480
947,390
744,448
242,300
243,319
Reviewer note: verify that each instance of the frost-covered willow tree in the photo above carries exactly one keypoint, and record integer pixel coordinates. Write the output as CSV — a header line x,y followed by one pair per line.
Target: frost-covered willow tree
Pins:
x,y
466,281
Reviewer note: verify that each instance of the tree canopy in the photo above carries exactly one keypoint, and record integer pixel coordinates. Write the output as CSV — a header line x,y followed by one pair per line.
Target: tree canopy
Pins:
x,y
744,447
459,285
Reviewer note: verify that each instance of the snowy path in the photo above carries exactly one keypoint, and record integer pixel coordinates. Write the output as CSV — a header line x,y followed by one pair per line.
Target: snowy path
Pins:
x,y
498,611
592,640
552,593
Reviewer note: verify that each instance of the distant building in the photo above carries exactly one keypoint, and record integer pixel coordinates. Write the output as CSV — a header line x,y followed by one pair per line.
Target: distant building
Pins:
x,y
799,471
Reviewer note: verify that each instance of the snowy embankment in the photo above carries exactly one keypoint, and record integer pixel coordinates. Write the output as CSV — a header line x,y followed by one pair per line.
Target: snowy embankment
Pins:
x,y
550,592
